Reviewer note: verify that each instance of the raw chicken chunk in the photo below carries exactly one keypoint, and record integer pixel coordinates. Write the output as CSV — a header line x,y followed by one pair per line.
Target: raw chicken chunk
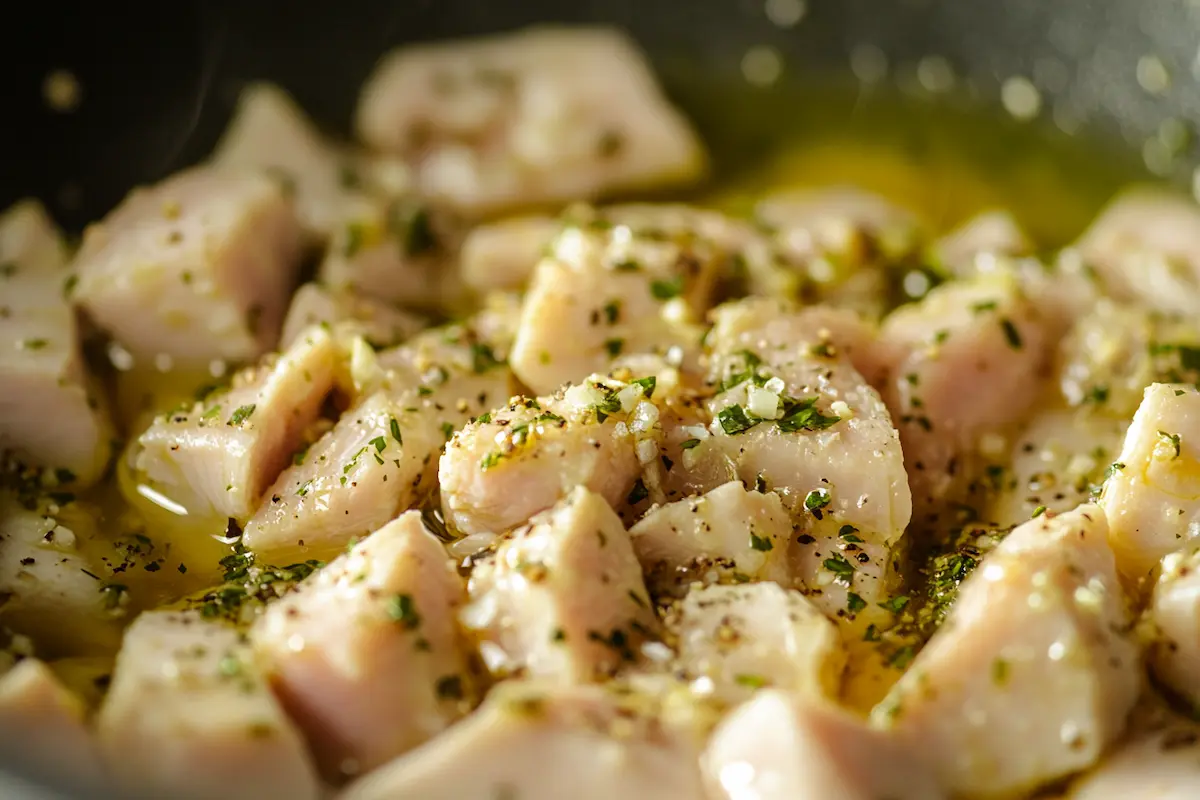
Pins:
x,y
544,115
1041,624
366,657
779,747
379,323
1160,760
743,638
1175,615
196,268
51,413
538,742
729,532
189,716
502,255
990,234
42,725
218,457
1152,495
562,597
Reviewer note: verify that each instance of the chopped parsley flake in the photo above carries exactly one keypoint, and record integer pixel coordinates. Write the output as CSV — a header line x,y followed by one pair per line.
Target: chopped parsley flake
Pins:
x,y
761,543
403,610
638,493
734,420
483,358
839,566
689,444
896,604
450,687
395,430
667,289
1171,440
855,603
614,347
1011,334
240,415
612,311
816,500
750,681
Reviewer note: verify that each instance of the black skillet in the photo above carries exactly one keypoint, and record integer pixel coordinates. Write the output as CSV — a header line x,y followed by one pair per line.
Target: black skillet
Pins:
x,y
159,80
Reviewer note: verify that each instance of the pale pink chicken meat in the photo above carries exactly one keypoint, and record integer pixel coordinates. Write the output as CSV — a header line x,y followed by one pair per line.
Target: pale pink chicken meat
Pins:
x,y
538,116
381,324
501,255
52,412
1173,614
987,235
195,268
367,657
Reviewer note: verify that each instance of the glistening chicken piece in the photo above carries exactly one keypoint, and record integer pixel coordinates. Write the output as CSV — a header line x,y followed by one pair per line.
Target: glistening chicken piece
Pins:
x,y
795,417
218,457
984,334
195,268
988,235
562,597
1158,761
729,533
1175,614
366,656
381,324
189,715
1152,495
51,412
540,742
780,747
538,116
502,255
1041,624
744,638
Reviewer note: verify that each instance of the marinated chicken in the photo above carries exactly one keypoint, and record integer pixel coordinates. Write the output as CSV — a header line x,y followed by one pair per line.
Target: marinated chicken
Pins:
x,y
445,464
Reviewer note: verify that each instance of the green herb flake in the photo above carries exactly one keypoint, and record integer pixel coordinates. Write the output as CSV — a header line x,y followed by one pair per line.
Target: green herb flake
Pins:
x,y
689,444
761,543
402,609
380,443
450,687
1037,512
1000,670
638,493
816,500
855,603
667,289
750,681
849,533
614,347
648,385
240,415
395,430
1011,334
839,566
1171,440
483,358
33,344
896,604
734,420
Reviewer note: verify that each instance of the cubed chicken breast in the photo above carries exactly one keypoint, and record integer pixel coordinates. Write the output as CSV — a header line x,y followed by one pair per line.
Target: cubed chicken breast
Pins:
x,y
218,457
366,657
983,334
193,269
1145,246
42,724
381,324
503,254
1152,495
270,134
1034,671
780,747
546,742
1159,760
988,235
563,597
188,715
52,414
53,593
730,533
539,116
1174,614
744,638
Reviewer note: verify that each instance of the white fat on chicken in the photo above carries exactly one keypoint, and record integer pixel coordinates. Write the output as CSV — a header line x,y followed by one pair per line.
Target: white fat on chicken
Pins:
x,y
986,236
366,656
984,334
502,255
42,723
193,269
189,715
1152,495
796,418
1174,616
544,742
745,638
53,593
562,597
218,457
52,413
1159,760
1041,624
729,533
781,747
540,116
269,133
381,324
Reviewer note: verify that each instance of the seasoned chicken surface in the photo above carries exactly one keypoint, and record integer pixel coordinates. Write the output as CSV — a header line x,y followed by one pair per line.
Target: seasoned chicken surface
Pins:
x,y
450,463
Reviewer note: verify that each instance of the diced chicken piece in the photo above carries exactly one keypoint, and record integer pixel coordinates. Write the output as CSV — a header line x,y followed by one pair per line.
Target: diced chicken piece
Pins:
x,y
562,597
51,413
502,255
42,724
982,334
270,133
729,533
796,418
1175,614
196,268
218,457
539,116
832,215
380,324
398,253
1152,495
189,716
514,462
1159,761
779,747
990,234
367,657
1107,359
53,593
744,638
537,742
1146,248
1041,624
603,293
